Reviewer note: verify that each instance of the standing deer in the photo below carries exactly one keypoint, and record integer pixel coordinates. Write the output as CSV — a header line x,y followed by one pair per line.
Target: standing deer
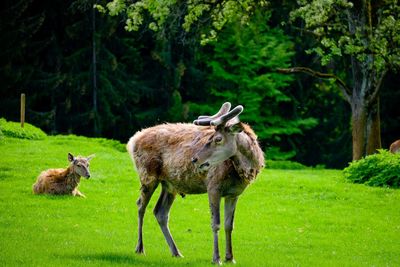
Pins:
x,y
395,147
217,155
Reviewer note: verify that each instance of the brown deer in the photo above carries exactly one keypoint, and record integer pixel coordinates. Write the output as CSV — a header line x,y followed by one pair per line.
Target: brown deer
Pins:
x,y
395,147
217,155
64,181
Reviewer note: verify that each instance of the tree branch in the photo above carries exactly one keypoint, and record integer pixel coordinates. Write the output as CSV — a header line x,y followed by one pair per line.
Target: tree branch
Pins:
x,y
343,87
377,88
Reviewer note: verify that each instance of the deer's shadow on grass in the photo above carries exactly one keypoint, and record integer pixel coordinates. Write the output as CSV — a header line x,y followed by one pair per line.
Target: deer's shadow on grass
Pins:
x,y
131,259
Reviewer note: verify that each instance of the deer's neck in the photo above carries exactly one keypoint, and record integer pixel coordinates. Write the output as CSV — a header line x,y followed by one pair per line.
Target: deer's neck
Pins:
x,y
249,158
72,178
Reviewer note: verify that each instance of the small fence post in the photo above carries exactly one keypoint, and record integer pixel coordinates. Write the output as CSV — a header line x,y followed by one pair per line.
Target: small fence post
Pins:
x,y
22,110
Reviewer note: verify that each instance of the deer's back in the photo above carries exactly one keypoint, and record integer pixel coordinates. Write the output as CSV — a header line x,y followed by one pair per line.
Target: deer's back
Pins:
x,y
52,181
164,152
395,147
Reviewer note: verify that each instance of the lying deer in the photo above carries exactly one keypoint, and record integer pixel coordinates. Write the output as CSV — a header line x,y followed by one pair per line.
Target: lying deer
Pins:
x,y
64,181
217,155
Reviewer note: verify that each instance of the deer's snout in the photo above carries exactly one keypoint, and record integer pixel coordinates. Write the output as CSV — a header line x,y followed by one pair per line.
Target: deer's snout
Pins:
x,y
87,174
194,160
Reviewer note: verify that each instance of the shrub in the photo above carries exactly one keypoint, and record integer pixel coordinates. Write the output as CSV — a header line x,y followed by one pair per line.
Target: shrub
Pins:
x,y
284,165
112,144
115,144
13,129
381,169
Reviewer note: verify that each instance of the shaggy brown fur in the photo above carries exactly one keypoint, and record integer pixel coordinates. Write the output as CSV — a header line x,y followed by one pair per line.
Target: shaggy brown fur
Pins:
x,y
164,154
395,147
63,181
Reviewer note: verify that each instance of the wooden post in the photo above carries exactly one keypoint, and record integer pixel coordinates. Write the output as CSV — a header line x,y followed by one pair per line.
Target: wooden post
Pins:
x,y
22,110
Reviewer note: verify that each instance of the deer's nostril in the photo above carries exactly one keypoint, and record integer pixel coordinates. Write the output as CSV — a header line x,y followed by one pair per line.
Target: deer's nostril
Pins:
x,y
194,160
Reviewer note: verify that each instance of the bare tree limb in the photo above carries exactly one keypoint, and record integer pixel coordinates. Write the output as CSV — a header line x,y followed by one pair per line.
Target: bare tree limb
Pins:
x,y
377,88
343,87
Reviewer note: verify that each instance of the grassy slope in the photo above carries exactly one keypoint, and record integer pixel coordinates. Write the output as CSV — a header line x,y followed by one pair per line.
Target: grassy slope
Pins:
x,y
286,218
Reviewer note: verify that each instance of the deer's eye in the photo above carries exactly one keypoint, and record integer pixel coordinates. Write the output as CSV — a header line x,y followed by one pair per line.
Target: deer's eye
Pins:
x,y
218,139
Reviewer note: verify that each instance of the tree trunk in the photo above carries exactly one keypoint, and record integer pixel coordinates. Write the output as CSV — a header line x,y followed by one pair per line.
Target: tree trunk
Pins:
x,y
358,126
367,81
364,102
373,128
366,131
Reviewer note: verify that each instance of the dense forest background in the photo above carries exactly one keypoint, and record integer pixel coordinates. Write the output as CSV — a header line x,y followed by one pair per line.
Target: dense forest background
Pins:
x,y
84,74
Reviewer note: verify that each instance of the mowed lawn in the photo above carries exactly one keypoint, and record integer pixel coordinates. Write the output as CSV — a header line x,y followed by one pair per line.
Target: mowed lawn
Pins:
x,y
285,218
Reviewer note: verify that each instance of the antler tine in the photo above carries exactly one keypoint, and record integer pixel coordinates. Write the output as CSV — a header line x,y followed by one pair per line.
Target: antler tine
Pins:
x,y
223,119
206,120
201,117
203,122
223,110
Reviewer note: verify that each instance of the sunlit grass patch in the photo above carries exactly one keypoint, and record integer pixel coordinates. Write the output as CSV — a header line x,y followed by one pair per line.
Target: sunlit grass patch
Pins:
x,y
285,218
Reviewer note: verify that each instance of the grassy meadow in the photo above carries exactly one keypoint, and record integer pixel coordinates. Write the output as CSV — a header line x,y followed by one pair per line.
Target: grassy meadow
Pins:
x,y
286,218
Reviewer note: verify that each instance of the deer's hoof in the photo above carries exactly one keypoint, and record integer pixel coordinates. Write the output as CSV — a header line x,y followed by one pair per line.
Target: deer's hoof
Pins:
x,y
230,261
177,255
139,250
217,262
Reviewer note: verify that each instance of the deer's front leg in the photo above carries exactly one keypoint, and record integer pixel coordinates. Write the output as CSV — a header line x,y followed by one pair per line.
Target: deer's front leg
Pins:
x,y
230,205
76,193
215,199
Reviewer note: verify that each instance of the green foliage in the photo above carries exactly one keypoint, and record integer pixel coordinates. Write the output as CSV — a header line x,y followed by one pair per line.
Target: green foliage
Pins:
x,y
14,129
365,35
118,64
284,165
51,60
304,217
243,67
217,13
175,112
17,30
358,29
381,169
322,100
108,143
115,144
153,76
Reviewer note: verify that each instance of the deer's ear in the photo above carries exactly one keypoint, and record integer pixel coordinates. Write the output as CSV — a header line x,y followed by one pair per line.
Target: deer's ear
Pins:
x,y
70,157
234,125
90,157
235,128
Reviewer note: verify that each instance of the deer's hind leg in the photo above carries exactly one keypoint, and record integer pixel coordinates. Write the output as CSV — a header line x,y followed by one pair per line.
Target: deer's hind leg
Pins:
x,y
146,191
161,211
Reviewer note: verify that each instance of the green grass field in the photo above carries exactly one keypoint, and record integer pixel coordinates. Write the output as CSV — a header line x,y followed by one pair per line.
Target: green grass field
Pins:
x,y
286,218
